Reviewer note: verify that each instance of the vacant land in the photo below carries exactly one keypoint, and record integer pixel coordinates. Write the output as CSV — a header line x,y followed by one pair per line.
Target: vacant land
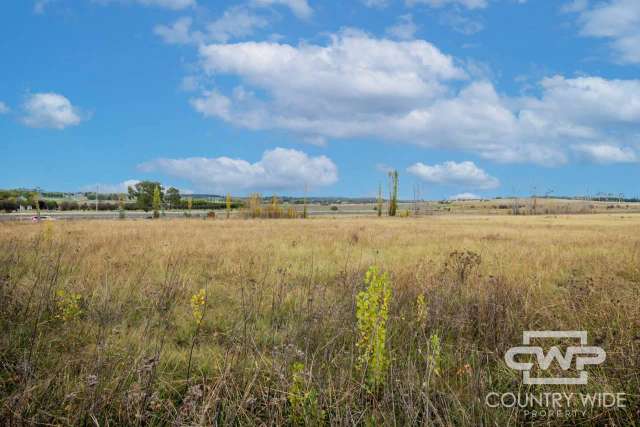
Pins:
x,y
256,321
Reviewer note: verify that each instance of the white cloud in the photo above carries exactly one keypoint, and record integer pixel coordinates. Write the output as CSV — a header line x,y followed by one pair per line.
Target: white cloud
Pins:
x,y
384,168
4,109
50,110
278,169
574,6
312,84
120,187
235,22
464,174
40,5
606,154
177,33
465,196
617,20
190,83
167,4
357,86
461,23
469,4
404,29
379,4
318,141
300,8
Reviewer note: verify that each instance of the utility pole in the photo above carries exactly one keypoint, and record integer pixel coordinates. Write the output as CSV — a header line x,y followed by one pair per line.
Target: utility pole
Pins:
x,y
97,191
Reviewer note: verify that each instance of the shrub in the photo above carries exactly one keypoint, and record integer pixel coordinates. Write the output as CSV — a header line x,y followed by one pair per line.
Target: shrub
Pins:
x,y
68,304
8,205
67,205
303,400
372,313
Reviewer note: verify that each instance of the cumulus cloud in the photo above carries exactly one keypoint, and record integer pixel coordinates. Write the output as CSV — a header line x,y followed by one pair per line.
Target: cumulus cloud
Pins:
x,y
235,23
465,196
464,174
177,33
409,91
404,29
278,169
616,20
469,4
4,109
606,154
50,110
300,8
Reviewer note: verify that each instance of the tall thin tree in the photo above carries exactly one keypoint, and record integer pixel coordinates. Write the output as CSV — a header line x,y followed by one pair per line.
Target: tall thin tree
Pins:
x,y
393,192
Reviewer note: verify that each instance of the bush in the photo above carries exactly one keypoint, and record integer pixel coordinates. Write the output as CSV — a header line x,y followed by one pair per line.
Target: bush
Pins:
x,y
9,205
69,206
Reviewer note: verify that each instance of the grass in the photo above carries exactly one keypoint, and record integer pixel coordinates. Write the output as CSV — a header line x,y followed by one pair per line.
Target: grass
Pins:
x,y
277,339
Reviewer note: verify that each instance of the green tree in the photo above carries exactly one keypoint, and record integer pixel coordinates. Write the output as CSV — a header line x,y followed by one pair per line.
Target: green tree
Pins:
x,y
379,200
156,202
121,213
143,193
304,209
173,197
228,205
393,192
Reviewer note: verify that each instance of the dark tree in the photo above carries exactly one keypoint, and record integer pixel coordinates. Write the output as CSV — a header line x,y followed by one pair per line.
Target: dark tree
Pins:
x,y
173,197
142,192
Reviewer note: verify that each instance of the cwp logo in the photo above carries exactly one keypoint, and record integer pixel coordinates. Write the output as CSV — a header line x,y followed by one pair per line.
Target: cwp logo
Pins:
x,y
584,355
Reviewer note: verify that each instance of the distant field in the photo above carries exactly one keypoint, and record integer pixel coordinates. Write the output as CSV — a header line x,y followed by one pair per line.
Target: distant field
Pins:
x,y
525,206
105,322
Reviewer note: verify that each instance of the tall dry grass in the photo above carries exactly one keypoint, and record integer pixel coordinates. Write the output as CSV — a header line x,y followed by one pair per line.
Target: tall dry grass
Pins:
x,y
277,340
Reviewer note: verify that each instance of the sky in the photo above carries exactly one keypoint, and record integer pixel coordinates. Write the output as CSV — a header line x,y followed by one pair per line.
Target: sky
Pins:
x,y
463,97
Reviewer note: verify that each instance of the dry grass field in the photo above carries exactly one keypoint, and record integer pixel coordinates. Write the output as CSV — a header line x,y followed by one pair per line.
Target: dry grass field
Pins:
x,y
251,322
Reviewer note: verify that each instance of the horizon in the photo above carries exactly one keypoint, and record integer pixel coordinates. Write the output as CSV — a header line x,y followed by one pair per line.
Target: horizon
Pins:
x,y
488,98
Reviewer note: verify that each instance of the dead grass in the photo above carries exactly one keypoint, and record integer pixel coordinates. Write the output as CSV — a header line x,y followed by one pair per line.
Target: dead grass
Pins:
x,y
281,292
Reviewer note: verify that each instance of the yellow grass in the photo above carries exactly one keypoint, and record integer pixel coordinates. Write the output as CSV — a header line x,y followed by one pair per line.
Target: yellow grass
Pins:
x,y
282,292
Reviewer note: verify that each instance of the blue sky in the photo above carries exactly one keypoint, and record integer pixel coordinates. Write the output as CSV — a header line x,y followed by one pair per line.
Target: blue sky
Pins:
x,y
488,97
